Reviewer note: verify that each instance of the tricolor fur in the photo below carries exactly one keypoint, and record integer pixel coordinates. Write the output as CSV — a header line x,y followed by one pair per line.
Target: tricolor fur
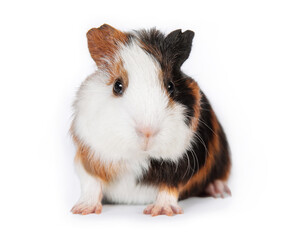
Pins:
x,y
186,148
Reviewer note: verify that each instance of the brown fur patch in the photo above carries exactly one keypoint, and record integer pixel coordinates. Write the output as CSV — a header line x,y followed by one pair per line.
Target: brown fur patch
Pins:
x,y
153,51
197,106
226,173
170,190
93,165
213,147
171,103
117,71
103,43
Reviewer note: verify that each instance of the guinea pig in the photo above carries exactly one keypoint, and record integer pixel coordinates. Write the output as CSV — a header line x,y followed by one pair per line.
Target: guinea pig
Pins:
x,y
145,133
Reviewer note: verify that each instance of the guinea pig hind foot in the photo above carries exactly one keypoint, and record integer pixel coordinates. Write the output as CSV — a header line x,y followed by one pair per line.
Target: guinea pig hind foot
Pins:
x,y
218,188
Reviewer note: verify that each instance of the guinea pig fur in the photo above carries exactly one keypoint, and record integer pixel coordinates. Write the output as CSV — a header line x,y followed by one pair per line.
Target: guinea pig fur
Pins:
x,y
145,133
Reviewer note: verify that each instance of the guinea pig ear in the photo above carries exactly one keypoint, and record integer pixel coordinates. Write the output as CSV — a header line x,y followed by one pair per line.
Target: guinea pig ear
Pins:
x,y
103,42
178,46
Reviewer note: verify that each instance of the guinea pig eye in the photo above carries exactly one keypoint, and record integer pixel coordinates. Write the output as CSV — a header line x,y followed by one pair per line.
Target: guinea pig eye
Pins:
x,y
118,87
170,88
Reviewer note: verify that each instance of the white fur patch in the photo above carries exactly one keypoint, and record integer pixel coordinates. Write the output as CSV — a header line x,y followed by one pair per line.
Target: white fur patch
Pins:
x,y
164,198
126,190
91,187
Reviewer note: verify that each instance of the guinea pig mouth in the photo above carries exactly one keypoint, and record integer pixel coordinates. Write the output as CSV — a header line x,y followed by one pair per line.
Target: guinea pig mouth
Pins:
x,y
146,136
146,144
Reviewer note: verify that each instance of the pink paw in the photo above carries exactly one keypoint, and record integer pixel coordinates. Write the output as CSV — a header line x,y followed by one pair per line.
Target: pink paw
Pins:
x,y
217,189
85,208
166,209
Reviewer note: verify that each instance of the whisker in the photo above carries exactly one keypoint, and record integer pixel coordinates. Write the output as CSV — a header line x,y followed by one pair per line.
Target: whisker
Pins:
x,y
194,162
188,165
176,168
205,124
202,141
194,154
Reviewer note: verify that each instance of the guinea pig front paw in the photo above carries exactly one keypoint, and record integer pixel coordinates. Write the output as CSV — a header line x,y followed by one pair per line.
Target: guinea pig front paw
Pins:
x,y
218,188
165,209
85,208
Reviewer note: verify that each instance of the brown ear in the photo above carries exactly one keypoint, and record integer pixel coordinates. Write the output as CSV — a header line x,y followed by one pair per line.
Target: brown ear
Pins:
x,y
103,43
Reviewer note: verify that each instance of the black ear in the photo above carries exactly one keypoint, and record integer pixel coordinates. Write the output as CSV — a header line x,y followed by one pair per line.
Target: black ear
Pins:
x,y
178,46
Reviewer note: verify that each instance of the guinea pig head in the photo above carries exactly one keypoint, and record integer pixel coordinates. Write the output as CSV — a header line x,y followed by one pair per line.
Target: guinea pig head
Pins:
x,y
136,102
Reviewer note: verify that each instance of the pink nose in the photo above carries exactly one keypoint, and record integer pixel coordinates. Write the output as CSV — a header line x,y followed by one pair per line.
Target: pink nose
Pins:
x,y
146,132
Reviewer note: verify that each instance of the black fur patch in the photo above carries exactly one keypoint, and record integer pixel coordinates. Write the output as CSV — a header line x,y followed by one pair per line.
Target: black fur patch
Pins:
x,y
174,48
172,174
171,52
177,47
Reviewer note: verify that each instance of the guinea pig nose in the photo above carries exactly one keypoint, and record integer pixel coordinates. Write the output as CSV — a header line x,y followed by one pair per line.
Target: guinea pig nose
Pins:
x,y
146,132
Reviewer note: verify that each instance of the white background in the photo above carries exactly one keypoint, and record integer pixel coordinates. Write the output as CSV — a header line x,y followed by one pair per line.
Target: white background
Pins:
x,y
236,59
